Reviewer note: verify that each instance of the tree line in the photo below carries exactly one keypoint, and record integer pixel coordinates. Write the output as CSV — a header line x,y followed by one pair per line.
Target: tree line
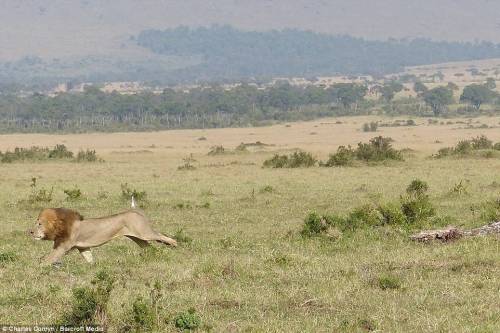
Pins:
x,y
211,107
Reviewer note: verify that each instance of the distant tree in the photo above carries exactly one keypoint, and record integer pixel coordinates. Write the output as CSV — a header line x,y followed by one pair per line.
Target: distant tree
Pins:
x,y
496,72
439,76
348,93
452,86
419,87
476,95
389,90
438,99
490,83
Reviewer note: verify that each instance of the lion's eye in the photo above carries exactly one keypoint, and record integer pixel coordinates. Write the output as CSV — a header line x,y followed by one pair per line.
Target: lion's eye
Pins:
x,y
39,224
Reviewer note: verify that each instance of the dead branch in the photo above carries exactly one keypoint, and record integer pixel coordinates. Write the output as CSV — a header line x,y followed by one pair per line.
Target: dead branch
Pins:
x,y
452,233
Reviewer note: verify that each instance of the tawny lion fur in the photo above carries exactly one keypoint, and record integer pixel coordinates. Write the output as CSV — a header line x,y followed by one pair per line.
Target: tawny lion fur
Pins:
x,y
69,230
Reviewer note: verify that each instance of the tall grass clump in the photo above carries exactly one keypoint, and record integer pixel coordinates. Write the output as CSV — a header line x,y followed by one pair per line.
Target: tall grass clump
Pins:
x,y
87,156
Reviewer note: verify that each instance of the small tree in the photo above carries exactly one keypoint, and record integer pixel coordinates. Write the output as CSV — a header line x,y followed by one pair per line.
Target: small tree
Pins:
x,y
490,83
348,93
420,88
389,90
438,98
476,95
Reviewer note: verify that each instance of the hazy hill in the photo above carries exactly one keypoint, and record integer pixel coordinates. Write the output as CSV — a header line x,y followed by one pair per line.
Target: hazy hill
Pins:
x,y
60,28
54,40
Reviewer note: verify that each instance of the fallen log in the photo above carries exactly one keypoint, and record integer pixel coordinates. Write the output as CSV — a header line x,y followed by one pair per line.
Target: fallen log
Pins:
x,y
452,233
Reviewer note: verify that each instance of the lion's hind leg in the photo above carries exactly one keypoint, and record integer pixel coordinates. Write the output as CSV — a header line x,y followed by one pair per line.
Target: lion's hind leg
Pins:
x,y
166,240
141,242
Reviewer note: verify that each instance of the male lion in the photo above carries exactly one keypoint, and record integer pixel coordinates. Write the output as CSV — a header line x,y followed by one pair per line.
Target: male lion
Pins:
x,y
69,230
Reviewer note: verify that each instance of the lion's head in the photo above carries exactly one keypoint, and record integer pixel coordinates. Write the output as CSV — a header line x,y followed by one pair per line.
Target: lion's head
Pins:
x,y
54,223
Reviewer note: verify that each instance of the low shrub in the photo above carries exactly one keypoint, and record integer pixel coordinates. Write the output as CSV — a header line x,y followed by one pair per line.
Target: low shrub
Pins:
x,y
73,194
344,156
391,214
128,193
370,127
414,207
378,149
89,304
479,146
60,152
314,224
216,150
267,189
35,153
41,195
416,204
188,320
490,211
298,159
385,282
188,163
481,142
143,315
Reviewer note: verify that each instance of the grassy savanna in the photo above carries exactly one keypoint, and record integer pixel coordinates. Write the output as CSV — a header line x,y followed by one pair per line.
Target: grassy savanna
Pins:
x,y
242,263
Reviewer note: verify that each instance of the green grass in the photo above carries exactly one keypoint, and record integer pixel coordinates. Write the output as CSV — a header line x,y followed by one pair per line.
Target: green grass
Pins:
x,y
242,263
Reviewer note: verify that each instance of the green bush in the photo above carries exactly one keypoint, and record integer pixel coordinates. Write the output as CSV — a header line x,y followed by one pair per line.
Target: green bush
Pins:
x,y
143,315
366,215
388,282
416,204
89,303
343,157
298,159
414,207
128,193
314,224
73,194
378,149
39,195
469,147
481,142
490,211
417,187
7,257
392,214
60,152
187,320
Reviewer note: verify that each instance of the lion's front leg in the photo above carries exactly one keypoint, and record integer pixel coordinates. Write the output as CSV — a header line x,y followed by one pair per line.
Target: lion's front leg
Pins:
x,y
55,255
